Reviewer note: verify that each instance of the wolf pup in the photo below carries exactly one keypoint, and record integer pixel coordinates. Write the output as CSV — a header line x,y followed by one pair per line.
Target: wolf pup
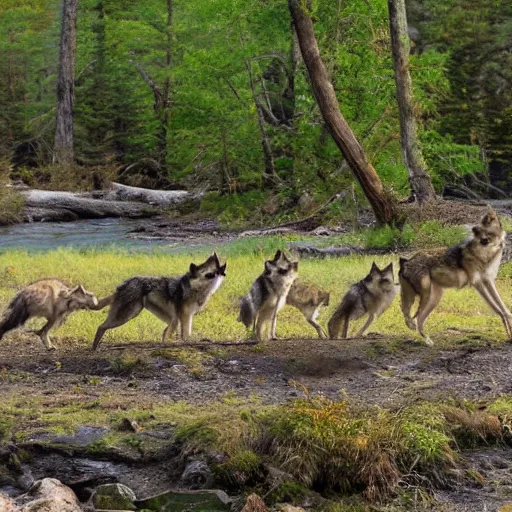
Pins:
x,y
308,299
171,299
268,295
474,262
373,295
50,299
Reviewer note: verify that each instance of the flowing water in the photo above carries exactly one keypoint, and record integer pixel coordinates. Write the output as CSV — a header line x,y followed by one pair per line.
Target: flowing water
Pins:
x,y
93,233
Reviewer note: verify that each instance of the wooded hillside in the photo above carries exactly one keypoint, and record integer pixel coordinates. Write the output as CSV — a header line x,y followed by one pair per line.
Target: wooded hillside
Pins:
x,y
214,93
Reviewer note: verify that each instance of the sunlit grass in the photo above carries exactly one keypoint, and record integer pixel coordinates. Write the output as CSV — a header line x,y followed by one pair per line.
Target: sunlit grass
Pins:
x,y
102,271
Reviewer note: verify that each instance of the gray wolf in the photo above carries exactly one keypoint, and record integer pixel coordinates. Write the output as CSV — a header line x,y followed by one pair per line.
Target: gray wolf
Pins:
x,y
171,299
474,262
47,298
308,299
372,295
268,295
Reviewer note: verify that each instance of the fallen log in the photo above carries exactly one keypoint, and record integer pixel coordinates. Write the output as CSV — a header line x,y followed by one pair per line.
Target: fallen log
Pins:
x,y
306,251
119,192
83,206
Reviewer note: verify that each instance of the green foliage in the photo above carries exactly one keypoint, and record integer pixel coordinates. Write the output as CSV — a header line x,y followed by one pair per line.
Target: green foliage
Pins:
x,y
207,133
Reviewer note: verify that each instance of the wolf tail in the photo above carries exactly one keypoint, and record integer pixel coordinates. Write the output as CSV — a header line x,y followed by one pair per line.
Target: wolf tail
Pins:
x,y
247,312
103,303
17,314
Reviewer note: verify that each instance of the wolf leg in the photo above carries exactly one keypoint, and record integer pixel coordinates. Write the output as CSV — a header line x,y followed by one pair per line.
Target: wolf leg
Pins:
x,y
507,316
318,327
274,326
118,315
426,307
344,329
265,316
169,330
43,333
407,299
186,326
369,321
494,301
334,324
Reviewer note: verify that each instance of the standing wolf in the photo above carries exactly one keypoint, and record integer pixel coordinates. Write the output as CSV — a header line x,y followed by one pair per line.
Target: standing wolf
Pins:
x,y
268,295
171,299
50,299
474,262
373,295
308,299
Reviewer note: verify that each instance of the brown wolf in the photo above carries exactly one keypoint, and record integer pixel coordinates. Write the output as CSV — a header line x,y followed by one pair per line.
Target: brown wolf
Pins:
x,y
171,299
373,295
268,295
308,299
474,262
47,298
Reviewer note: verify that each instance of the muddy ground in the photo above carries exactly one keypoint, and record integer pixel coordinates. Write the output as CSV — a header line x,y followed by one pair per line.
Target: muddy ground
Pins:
x,y
376,370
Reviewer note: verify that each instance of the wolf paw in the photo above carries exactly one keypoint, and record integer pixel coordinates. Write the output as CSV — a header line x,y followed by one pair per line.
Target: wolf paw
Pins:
x,y
429,342
411,323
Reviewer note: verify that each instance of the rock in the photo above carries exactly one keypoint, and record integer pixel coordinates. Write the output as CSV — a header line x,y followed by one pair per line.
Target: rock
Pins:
x,y
7,504
114,497
192,501
49,495
254,503
130,425
197,475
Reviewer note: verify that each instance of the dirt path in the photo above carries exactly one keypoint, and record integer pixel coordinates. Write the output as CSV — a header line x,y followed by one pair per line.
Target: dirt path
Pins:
x,y
375,370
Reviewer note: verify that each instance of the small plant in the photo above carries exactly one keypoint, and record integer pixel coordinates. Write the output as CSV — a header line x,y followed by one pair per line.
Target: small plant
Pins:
x,y
126,363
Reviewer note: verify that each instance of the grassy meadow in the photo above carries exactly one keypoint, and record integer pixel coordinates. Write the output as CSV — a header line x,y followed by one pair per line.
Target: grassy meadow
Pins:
x,y
102,271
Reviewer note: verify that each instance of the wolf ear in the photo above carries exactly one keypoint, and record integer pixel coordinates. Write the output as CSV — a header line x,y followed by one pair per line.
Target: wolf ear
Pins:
x,y
78,288
374,269
387,269
295,266
216,258
476,230
268,266
193,269
222,270
278,255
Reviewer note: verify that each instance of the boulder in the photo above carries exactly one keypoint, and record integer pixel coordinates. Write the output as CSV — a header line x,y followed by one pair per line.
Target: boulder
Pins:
x,y
114,497
254,503
191,501
49,495
197,475
7,504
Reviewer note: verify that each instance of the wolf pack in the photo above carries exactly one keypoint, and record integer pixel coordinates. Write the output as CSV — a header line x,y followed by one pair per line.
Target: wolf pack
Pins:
x,y
176,300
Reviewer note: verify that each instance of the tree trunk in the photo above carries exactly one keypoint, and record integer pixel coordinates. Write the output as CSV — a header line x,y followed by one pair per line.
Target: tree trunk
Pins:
x,y
63,145
335,122
419,179
269,176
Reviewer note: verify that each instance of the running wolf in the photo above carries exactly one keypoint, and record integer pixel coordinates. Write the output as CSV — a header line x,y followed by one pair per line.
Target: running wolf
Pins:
x,y
171,299
268,295
474,262
373,295
308,299
47,298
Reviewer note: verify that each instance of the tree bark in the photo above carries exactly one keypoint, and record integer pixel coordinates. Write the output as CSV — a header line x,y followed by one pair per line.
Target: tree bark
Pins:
x,y
336,124
269,176
63,145
419,179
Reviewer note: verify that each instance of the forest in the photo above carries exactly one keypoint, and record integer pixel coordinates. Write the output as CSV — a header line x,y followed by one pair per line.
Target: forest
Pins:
x,y
214,96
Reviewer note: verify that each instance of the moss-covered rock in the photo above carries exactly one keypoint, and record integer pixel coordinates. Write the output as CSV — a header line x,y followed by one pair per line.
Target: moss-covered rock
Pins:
x,y
114,497
193,501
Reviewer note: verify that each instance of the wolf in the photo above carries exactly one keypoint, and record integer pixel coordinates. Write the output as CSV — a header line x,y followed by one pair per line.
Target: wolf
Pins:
x,y
48,298
308,299
373,295
268,295
174,300
474,262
